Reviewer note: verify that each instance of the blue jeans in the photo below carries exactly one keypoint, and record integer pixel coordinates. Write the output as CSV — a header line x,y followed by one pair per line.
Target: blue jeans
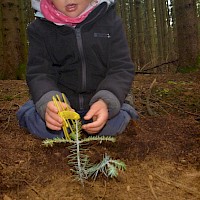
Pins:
x,y
29,118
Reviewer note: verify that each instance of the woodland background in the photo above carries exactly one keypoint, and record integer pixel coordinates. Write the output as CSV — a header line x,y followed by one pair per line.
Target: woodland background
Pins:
x,y
163,35
161,149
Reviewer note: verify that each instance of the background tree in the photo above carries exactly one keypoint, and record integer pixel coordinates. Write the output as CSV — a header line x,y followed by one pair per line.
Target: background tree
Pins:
x,y
150,29
159,32
140,31
187,34
13,41
155,24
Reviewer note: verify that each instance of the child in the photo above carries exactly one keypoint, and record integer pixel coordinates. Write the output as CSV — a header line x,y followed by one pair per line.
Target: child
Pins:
x,y
77,47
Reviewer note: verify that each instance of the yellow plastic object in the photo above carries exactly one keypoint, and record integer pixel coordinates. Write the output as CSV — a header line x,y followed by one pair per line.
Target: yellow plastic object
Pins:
x,y
67,115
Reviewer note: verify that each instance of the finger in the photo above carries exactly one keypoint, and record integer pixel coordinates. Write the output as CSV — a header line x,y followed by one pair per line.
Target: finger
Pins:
x,y
53,127
92,128
51,107
92,125
61,106
89,114
55,120
53,115
64,106
98,121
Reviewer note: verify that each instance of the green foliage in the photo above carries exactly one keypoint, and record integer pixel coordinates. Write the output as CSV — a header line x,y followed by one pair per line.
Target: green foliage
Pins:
x,y
1,76
21,72
107,166
79,160
162,91
8,98
179,94
173,89
188,69
180,83
198,60
51,142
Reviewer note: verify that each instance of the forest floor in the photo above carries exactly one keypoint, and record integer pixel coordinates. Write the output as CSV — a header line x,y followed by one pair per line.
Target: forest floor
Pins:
x,y
161,150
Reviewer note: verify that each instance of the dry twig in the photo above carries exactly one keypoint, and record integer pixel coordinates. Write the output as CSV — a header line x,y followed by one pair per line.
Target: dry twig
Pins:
x,y
178,185
152,190
32,188
8,122
148,98
178,108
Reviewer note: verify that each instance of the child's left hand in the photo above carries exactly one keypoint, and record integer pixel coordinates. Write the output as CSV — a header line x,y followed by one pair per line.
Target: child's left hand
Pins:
x,y
99,113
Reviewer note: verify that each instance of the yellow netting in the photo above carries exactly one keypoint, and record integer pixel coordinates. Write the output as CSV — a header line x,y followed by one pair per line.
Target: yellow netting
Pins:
x,y
67,114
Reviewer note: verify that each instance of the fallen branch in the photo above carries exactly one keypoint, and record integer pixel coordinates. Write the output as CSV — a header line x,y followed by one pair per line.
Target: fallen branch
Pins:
x,y
157,66
141,72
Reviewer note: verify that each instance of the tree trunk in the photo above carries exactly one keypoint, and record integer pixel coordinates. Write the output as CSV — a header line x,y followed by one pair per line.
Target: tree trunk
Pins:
x,y
11,39
1,41
140,32
187,34
159,30
24,41
14,18
151,38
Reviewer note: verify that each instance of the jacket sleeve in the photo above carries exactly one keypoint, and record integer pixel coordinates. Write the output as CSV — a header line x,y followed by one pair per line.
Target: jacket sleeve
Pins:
x,y
41,76
120,72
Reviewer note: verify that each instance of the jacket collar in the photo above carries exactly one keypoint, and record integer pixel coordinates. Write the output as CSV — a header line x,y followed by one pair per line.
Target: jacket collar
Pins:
x,y
36,6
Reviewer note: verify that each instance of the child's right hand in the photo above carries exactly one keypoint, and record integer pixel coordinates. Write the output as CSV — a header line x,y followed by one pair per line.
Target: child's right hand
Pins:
x,y
53,120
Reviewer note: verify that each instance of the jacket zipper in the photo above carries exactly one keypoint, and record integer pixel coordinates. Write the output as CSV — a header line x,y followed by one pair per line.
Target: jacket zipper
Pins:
x,y
80,47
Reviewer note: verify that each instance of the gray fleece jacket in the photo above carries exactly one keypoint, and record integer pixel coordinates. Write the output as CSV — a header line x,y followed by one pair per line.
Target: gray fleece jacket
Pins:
x,y
86,63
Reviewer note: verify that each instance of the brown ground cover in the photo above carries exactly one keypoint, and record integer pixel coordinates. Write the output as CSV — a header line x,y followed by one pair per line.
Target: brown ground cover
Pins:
x,y
161,150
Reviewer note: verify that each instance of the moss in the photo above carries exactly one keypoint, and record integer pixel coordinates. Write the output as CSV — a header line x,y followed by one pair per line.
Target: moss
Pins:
x,y
21,72
198,60
1,76
183,94
188,69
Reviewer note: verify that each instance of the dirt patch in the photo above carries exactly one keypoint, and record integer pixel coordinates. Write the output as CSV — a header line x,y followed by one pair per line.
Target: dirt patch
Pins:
x,y
161,150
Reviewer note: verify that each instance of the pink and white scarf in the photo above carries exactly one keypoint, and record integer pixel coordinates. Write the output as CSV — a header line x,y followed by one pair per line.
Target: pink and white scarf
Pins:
x,y
52,14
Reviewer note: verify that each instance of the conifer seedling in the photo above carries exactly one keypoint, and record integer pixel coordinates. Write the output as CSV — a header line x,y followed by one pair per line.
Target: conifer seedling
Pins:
x,y
82,168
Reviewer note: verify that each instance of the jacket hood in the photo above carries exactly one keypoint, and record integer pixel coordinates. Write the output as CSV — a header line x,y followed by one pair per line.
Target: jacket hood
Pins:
x,y
36,5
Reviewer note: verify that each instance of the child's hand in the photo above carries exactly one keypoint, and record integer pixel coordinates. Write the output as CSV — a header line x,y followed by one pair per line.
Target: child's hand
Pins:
x,y
53,120
99,113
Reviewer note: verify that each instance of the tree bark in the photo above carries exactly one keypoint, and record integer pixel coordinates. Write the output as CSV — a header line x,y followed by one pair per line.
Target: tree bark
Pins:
x,y
1,41
140,32
11,39
187,34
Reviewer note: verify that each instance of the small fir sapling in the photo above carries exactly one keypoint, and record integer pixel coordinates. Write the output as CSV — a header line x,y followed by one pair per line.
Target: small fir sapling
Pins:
x,y
78,159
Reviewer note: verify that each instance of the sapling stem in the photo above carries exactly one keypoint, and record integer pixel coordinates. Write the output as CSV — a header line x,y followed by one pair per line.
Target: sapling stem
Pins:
x,y
78,152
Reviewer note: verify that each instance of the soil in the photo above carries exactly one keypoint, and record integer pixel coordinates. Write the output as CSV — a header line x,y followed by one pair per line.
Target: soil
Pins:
x,y
161,150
